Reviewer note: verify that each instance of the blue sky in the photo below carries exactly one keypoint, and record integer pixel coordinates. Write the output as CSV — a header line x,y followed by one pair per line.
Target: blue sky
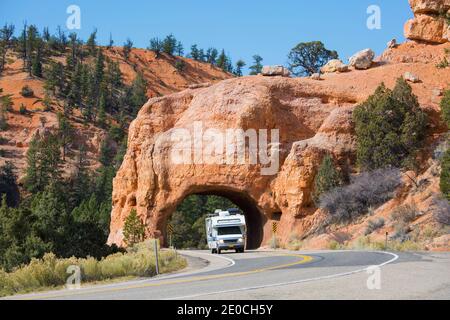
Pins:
x,y
242,27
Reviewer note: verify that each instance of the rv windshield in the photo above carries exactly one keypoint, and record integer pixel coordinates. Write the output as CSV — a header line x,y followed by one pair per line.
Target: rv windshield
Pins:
x,y
225,231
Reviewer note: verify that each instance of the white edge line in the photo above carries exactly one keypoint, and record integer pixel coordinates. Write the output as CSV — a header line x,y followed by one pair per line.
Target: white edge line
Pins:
x,y
395,257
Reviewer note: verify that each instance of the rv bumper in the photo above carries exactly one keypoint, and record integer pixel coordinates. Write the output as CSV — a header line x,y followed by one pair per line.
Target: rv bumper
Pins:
x,y
230,246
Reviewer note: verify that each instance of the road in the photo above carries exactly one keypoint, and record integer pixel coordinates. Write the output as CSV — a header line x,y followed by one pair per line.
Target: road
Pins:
x,y
285,275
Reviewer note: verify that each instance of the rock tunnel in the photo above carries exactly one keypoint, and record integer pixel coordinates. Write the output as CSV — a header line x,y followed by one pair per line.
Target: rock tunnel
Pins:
x,y
255,219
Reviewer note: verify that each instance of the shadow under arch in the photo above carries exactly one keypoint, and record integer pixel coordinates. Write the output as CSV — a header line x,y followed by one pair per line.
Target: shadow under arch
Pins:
x,y
255,220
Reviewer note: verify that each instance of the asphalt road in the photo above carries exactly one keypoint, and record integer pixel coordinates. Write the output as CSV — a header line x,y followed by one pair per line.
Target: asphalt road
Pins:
x,y
285,275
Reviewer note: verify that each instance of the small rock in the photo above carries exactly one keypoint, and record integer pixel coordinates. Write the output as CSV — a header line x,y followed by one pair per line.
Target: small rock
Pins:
x,y
315,76
438,92
392,44
277,70
362,59
334,65
408,76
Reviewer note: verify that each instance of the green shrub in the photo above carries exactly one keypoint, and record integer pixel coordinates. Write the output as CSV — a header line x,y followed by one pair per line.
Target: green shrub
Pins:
x,y
180,65
445,107
22,109
373,225
327,178
390,127
27,92
445,175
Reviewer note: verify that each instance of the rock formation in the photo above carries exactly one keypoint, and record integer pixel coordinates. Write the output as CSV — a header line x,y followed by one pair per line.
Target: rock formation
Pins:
x,y
271,71
362,59
430,23
313,118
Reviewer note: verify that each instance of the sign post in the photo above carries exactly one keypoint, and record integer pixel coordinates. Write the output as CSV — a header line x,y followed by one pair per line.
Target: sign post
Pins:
x,y
386,241
170,233
274,237
156,257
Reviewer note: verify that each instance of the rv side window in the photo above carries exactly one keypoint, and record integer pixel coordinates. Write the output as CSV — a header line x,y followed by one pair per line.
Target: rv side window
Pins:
x,y
224,231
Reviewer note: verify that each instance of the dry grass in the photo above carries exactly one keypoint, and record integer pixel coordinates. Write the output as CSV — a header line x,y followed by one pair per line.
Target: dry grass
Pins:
x,y
51,272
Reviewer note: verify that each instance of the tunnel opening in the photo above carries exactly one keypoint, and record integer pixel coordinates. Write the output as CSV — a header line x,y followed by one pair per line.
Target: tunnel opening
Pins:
x,y
188,220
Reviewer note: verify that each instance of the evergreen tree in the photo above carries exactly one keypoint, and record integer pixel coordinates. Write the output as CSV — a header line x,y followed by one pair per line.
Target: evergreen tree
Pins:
x,y
138,93
169,45
43,163
127,46
8,184
390,127
156,45
92,43
327,178
308,57
65,133
110,42
256,68
74,97
195,53
445,175
101,118
222,61
179,49
445,108
211,55
55,79
239,65
36,68
133,229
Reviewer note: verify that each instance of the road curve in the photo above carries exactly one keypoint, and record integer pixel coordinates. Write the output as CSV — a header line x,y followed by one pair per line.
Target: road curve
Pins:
x,y
284,275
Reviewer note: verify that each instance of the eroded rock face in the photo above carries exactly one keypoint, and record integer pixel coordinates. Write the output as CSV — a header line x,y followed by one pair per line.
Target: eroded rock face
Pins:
x,y
430,22
312,120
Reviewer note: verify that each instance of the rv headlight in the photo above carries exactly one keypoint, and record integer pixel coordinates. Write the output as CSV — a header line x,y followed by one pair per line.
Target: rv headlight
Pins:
x,y
240,240
221,241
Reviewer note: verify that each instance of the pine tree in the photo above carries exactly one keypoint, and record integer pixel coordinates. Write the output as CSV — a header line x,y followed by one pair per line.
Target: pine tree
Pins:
x,y
36,69
156,45
65,133
445,175
195,53
128,45
101,118
134,229
390,128
110,42
257,66
222,61
445,108
169,45
75,94
8,184
239,65
179,49
211,55
92,43
327,178
138,93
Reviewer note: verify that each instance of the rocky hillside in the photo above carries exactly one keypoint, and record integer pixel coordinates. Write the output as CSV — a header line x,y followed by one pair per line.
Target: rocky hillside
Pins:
x,y
314,116
160,73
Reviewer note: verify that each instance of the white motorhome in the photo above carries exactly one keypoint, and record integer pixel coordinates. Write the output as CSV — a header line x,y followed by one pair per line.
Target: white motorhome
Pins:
x,y
226,230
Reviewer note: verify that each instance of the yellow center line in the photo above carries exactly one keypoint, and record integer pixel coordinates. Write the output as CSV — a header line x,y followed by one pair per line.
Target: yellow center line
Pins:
x,y
304,259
